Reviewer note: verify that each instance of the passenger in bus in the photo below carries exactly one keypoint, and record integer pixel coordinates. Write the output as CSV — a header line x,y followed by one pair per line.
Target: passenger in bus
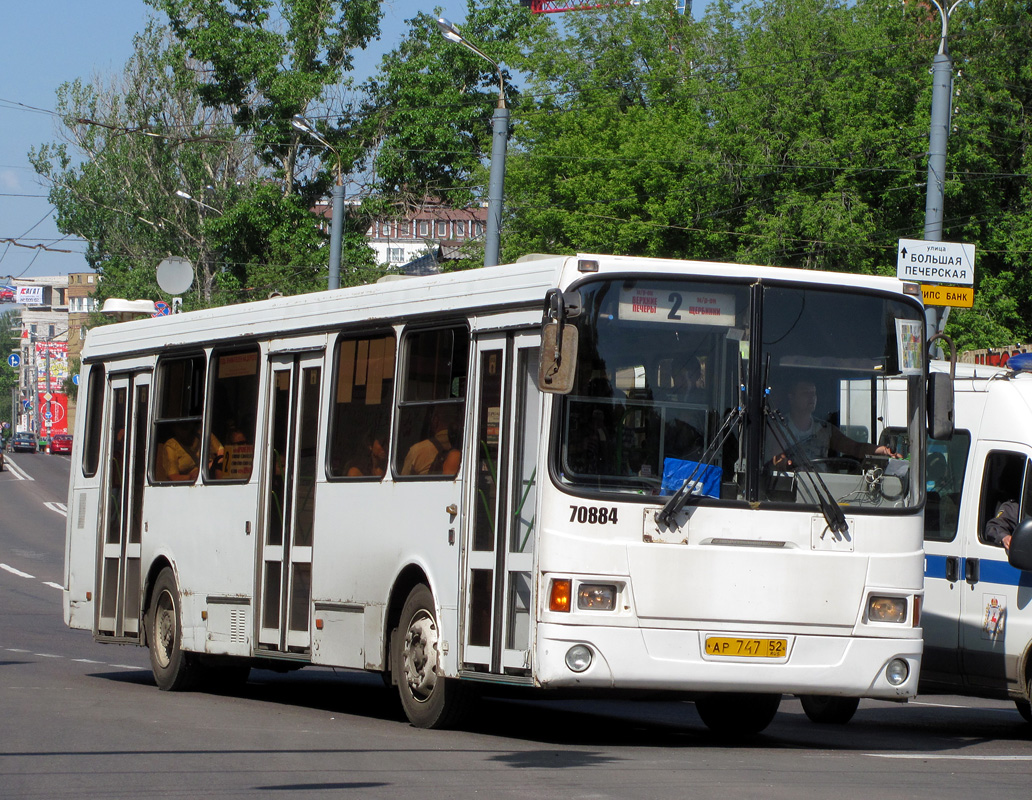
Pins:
x,y
181,453
815,438
687,375
371,460
999,529
436,454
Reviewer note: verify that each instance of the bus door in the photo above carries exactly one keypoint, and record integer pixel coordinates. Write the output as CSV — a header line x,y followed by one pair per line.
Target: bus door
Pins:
x,y
119,586
288,478
502,501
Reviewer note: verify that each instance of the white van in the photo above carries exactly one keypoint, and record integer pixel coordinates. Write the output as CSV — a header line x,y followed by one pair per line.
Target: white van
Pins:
x,y
977,613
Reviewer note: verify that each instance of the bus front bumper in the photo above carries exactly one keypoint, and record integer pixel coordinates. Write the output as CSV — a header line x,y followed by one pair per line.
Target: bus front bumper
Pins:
x,y
677,660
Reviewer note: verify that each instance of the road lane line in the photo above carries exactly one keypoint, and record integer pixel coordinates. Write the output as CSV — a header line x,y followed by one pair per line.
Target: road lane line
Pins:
x,y
60,508
53,585
18,472
946,757
17,572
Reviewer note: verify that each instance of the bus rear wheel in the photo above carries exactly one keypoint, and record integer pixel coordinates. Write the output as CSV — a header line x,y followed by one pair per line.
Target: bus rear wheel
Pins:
x,y
737,714
827,710
427,697
174,669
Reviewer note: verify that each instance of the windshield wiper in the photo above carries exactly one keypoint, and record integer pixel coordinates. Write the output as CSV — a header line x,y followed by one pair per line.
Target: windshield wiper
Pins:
x,y
732,421
833,514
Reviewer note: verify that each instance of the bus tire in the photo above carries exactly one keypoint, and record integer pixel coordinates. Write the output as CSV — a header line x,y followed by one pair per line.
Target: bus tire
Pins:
x,y
827,710
1025,709
428,699
174,669
737,713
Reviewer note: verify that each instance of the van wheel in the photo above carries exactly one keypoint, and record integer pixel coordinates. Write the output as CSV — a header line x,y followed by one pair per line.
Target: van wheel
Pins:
x,y
174,669
737,714
826,710
428,699
1025,709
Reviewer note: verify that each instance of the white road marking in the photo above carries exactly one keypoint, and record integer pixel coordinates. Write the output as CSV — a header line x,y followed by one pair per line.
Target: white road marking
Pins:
x,y
86,661
47,655
53,585
946,757
18,472
60,508
17,572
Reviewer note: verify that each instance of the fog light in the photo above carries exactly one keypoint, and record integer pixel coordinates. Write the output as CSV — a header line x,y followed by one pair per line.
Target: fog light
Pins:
x,y
596,596
578,657
896,672
887,609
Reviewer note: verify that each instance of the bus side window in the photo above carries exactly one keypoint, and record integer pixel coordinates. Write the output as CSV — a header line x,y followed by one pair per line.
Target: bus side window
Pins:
x,y
360,416
176,445
431,411
1002,480
232,415
94,419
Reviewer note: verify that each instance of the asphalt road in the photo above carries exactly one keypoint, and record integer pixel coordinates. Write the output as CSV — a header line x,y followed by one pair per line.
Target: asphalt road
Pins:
x,y
85,720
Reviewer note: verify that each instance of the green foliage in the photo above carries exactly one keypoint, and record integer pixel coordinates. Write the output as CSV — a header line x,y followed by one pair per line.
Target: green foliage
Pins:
x,y
10,327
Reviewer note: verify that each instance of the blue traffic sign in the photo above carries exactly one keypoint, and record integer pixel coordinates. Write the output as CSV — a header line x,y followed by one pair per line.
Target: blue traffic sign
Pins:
x,y
14,359
26,404
48,416
75,380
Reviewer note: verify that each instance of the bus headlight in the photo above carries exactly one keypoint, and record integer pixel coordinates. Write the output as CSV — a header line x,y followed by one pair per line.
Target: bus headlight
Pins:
x,y
887,609
897,671
596,596
578,657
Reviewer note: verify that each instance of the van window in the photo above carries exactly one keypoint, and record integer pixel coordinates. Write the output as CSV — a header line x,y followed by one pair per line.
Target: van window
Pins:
x,y
1006,475
944,481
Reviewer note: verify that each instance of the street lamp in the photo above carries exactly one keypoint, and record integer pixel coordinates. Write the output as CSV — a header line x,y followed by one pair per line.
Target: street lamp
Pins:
x,y
337,220
942,90
192,199
499,140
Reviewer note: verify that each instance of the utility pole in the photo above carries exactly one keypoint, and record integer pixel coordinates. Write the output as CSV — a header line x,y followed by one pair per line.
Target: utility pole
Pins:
x,y
935,193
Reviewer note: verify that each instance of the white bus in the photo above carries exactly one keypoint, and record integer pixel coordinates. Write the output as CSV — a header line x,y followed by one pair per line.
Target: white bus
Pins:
x,y
977,620
430,479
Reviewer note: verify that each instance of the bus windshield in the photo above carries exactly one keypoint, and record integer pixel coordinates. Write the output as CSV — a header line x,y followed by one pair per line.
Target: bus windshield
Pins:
x,y
759,393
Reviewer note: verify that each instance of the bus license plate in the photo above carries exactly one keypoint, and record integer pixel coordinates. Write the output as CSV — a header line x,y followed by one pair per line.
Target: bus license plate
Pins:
x,y
746,648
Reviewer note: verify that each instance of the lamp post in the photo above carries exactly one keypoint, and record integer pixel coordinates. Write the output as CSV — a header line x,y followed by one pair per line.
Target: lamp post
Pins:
x,y
337,220
942,91
499,140
192,199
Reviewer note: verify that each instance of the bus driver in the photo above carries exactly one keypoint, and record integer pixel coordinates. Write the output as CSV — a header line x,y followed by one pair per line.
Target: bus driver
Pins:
x,y
816,438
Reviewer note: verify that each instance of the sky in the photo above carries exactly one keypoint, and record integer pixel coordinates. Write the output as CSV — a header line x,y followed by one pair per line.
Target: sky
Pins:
x,y
45,45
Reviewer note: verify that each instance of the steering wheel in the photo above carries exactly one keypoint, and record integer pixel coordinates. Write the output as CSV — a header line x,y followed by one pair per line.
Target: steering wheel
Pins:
x,y
841,465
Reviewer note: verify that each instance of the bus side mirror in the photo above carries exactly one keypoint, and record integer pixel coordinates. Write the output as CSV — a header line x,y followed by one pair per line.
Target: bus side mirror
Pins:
x,y
1020,553
940,406
558,358
558,342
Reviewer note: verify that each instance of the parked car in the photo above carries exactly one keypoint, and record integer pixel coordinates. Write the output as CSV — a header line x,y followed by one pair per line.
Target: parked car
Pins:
x,y
23,442
61,443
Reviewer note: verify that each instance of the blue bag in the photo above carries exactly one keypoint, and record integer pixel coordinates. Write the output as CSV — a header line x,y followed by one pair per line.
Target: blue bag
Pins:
x,y
706,481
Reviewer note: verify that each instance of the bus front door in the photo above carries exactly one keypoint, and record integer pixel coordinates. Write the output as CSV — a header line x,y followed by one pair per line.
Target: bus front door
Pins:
x,y
288,477
118,584
502,498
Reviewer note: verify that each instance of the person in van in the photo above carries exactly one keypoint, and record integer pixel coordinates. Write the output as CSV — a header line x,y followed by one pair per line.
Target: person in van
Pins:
x,y
999,529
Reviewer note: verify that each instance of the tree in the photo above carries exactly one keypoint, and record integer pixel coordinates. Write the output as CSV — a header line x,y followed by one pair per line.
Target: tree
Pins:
x,y
428,111
10,327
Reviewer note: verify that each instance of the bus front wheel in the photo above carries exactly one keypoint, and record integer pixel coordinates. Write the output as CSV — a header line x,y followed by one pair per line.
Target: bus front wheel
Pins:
x,y
427,697
737,714
174,670
827,710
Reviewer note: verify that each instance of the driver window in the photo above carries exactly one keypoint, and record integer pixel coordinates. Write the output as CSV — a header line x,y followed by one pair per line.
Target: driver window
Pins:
x,y
1005,476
